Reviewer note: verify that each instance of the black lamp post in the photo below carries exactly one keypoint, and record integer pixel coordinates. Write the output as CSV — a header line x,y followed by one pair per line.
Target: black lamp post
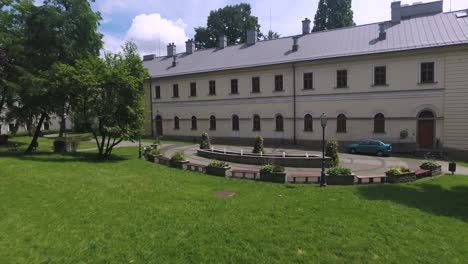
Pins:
x,y
323,177
139,148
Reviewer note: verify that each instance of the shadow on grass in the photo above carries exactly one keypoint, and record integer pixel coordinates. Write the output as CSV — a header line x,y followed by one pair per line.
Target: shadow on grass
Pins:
x,y
431,198
85,157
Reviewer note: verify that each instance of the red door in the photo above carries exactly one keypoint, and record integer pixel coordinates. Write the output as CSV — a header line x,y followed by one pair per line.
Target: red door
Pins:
x,y
426,134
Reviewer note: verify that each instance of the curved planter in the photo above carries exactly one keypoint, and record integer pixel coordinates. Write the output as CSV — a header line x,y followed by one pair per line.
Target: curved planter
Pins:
x,y
178,164
435,172
340,180
217,171
401,178
277,177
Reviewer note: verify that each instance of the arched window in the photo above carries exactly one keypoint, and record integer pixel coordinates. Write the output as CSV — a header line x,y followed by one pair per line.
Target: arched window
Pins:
x,y
341,124
212,123
235,123
426,114
308,124
256,123
194,123
176,123
279,123
379,123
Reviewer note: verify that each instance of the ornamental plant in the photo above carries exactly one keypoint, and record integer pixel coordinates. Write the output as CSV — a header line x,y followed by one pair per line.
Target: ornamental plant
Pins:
x,y
218,164
178,157
393,171
430,165
339,171
205,142
155,152
331,150
258,145
271,168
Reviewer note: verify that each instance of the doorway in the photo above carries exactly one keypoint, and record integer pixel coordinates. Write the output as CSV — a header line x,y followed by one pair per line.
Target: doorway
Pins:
x,y
159,126
426,130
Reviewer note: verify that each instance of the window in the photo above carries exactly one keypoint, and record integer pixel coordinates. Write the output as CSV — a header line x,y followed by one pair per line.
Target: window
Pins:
x,y
235,123
308,123
212,123
256,123
427,72
379,123
157,92
279,83
176,123
46,125
255,84
341,124
308,81
175,90
341,79
380,75
234,88
279,123
212,86
193,89
194,123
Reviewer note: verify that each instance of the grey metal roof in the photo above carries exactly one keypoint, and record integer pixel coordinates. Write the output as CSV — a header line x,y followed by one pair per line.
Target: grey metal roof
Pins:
x,y
422,32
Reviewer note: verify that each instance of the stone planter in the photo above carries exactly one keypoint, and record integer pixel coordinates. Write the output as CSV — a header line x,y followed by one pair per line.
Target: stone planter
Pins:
x,y
156,158
340,180
3,139
435,172
149,157
278,177
217,171
401,178
178,164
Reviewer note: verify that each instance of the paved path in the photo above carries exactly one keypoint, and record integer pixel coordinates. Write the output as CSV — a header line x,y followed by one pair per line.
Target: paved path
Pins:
x,y
359,164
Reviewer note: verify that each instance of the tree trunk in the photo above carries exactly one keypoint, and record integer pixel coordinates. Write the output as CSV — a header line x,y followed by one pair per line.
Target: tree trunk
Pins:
x,y
63,125
33,143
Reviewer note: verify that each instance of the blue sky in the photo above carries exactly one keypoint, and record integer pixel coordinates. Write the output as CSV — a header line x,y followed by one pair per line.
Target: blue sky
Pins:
x,y
154,23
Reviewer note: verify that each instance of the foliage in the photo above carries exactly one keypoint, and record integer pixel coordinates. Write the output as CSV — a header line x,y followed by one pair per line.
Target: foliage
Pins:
x,y
271,168
333,14
157,142
397,171
339,171
258,144
331,150
271,35
205,142
430,165
233,21
178,157
155,151
218,164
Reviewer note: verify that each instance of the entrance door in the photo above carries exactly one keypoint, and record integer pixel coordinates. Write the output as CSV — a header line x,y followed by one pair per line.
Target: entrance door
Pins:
x,y
426,130
159,126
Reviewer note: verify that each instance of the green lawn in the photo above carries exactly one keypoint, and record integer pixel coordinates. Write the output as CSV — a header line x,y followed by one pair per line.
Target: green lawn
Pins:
x,y
75,209
45,143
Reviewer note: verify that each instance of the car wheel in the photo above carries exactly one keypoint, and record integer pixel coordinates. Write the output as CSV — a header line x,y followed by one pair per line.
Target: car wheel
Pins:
x,y
380,154
352,151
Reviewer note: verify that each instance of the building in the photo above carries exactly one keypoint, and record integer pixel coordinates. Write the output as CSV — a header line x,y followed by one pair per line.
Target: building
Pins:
x,y
404,81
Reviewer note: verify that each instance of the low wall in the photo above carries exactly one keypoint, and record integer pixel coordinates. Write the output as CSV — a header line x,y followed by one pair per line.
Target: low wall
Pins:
x,y
300,161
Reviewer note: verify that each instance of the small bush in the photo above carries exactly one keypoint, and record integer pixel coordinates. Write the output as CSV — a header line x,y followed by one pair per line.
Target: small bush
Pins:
x,y
331,151
339,171
157,142
205,142
404,169
218,164
393,171
258,145
147,150
430,165
178,157
271,168
155,152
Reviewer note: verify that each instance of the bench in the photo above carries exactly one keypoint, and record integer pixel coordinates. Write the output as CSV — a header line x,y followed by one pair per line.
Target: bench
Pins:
x,y
371,178
305,176
422,173
254,173
196,167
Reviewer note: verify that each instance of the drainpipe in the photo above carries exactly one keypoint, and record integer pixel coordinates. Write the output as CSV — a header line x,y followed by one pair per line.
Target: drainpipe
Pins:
x,y
294,103
151,107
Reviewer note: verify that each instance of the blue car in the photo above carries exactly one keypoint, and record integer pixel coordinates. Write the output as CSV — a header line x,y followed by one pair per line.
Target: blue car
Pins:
x,y
370,146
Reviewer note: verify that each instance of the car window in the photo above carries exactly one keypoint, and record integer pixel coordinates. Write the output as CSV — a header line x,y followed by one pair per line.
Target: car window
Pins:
x,y
363,142
374,143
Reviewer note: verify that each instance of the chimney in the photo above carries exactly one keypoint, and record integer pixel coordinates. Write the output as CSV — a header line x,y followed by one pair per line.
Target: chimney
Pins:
x,y
189,46
396,12
382,33
171,50
295,46
222,41
251,36
305,26
174,61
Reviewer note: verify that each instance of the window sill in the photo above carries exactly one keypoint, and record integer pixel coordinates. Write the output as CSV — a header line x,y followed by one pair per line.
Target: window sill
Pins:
x,y
380,133
211,129
192,96
308,89
380,85
308,131
279,131
211,94
255,93
256,130
342,87
341,132
234,94
278,91
193,129
426,83
175,97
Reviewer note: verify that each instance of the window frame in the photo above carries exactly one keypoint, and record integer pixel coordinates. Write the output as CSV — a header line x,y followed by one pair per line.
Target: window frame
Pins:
x,y
234,86
379,123
157,92
176,123
193,89
423,73
175,90
212,87
279,123
257,123
383,76
279,83
340,79
194,121
341,124
255,84
308,127
235,123
213,123
308,81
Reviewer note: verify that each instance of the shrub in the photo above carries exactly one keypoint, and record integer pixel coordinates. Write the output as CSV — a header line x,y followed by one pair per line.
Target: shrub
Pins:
x,y
393,171
331,151
147,150
258,145
178,157
271,168
157,142
218,164
205,141
339,171
430,165
404,169
155,152
66,145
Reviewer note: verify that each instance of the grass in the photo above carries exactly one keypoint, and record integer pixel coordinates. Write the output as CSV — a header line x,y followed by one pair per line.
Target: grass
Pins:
x,y
172,142
76,209
45,143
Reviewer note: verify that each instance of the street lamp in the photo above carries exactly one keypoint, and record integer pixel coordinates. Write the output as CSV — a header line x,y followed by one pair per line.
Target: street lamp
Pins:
x,y
140,154
323,176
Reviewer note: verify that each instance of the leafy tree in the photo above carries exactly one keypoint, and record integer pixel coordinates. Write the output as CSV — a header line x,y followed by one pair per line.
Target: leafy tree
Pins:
x,y
232,21
271,35
333,14
258,144
109,99
331,150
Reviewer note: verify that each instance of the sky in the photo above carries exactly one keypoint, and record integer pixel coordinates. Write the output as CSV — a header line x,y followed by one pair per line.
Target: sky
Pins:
x,y
152,24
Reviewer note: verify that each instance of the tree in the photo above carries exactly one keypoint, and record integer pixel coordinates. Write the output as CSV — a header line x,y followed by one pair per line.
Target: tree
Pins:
x,y
333,14
271,35
232,21
109,99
